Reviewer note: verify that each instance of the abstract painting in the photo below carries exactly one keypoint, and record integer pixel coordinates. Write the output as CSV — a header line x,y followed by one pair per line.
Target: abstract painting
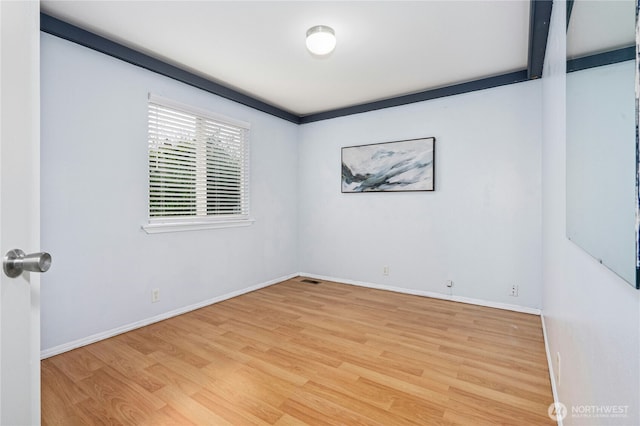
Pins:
x,y
390,166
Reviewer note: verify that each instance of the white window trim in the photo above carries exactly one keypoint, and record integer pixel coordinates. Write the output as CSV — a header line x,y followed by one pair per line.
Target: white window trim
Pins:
x,y
160,228
191,223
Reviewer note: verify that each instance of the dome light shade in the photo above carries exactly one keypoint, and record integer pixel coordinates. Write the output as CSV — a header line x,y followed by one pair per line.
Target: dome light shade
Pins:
x,y
321,40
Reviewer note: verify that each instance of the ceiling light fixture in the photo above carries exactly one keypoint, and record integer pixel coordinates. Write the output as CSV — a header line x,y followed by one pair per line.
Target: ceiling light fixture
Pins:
x,y
321,40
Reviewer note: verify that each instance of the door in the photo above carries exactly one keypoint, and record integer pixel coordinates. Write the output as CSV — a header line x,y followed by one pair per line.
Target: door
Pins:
x,y
19,210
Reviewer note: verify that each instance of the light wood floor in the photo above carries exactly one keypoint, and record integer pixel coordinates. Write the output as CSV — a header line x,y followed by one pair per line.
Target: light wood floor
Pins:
x,y
297,353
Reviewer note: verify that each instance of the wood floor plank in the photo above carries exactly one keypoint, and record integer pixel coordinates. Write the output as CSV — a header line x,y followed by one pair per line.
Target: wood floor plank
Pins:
x,y
60,411
312,409
287,420
77,364
63,387
99,413
423,390
296,353
355,387
125,360
502,384
179,368
171,377
168,416
116,393
499,411
166,338
540,382
245,405
432,362
271,389
233,413
356,404
189,408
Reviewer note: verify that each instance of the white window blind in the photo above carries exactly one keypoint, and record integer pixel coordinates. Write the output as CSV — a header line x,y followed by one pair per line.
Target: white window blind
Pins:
x,y
198,164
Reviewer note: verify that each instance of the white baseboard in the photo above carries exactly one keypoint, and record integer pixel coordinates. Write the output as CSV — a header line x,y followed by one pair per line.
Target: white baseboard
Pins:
x,y
471,301
65,347
138,324
552,375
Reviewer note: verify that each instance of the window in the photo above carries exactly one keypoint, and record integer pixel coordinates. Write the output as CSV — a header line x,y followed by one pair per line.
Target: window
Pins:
x,y
198,168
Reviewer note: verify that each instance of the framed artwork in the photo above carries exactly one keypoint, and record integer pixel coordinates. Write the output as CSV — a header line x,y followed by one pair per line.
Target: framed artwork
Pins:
x,y
389,167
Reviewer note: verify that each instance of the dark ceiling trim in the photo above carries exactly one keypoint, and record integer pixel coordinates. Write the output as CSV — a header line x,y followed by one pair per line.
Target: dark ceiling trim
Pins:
x,y
539,19
569,10
601,59
70,32
456,89
56,27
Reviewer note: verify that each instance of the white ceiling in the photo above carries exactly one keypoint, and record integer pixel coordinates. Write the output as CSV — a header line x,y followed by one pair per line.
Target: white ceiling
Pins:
x,y
385,48
600,26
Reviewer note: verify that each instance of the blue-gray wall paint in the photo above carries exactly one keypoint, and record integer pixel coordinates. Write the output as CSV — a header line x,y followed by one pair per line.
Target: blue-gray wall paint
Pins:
x,y
94,179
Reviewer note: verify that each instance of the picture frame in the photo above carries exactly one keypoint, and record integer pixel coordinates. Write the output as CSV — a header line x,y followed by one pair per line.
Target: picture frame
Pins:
x,y
398,166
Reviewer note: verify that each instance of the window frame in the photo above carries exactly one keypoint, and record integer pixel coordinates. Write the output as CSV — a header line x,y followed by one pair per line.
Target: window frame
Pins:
x,y
199,221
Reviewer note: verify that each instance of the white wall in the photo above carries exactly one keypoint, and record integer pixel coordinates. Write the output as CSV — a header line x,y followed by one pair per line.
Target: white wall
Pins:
x,y
481,228
592,315
94,200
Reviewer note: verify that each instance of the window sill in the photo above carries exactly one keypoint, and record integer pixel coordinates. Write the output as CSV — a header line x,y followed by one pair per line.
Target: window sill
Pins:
x,y
158,228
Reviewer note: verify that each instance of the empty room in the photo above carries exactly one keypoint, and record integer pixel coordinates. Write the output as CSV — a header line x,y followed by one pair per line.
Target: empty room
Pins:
x,y
327,213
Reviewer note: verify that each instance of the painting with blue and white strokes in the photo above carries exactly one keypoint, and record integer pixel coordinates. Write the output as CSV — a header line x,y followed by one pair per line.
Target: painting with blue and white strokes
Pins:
x,y
391,166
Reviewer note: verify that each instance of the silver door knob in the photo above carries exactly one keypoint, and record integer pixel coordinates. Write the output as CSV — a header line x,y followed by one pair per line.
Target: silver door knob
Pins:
x,y
16,261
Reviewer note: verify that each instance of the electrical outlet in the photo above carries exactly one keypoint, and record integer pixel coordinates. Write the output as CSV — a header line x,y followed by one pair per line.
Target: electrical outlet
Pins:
x,y
385,270
155,295
514,290
558,369
449,284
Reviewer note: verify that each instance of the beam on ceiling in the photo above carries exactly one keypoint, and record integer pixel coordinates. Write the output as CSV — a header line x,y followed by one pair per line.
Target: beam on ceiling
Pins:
x,y
569,10
56,27
601,59
539,18
456,89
